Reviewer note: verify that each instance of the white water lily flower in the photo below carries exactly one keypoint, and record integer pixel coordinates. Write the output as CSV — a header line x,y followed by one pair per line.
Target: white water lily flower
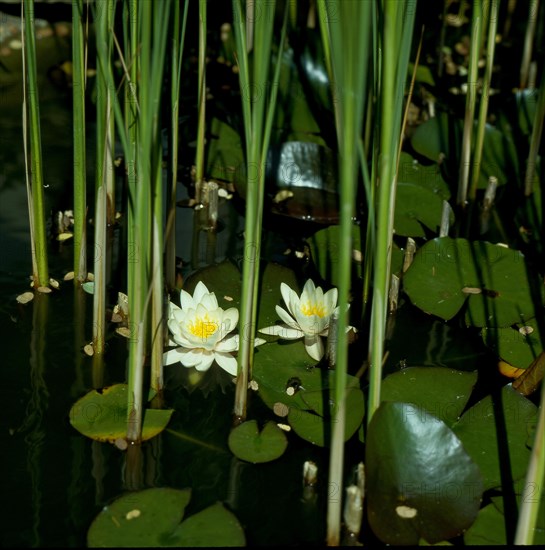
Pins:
x,y
308,317
200,328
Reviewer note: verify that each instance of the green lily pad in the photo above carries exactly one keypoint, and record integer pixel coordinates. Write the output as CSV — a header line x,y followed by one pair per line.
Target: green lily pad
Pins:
x,y
440,391
493,279
488,529
417,206
421,483
102,415
286,375
495,434
213,527
151,518
248,443
225,158
324,247
314,424
518,345
442,135
428,177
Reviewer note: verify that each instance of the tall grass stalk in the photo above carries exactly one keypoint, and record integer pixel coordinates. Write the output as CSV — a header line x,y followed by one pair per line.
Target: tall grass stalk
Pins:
x,y
176,51
535,475
397,31
31,112
533,10
254,99
471,100
104,166
146,203
483,105
535,140
199,161
78,109
349,47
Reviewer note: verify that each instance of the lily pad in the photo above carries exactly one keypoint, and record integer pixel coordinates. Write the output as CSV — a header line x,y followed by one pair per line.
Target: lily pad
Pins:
x,y
314,424
151,518
286,375
488,529
324,247
225,159
495,433
440,391
248,443
518,345
102,415
442,135
428,177
421,482
493,279
417,206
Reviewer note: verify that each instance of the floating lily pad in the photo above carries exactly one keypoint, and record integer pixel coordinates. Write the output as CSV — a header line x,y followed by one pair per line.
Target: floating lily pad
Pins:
x,y
495,432
442,135
314,424
225,159
440,391
428,177
518,345
488,529
421,483
102,415
417,206
151,518
248,443
493,279
324,247
286,374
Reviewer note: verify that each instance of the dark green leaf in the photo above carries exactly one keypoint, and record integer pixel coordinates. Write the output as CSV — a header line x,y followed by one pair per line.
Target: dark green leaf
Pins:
x,y
421,482
248,443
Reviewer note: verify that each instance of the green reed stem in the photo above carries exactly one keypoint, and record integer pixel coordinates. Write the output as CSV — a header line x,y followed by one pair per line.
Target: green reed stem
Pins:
x,y
535,475
40,270
483,106
104,166
147,205
349,32
177,48
396,46
78,109
199,162
535,140
253,109
471,99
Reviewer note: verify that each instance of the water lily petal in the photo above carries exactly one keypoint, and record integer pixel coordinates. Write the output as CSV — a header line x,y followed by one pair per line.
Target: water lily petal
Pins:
x,y
314,347
172,356
191,357
227,362
186,300
309,292
259,341
283,331
209,301
286,317
230,320
228,344
181,340
207,358
199,292
290,297
330,300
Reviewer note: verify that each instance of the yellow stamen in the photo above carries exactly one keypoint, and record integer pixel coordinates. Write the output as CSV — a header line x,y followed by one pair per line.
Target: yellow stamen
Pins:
x,y
309,309
203,327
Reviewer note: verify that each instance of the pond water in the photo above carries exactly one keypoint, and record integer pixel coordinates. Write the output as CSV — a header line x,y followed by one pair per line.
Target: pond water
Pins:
x,y
54,480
